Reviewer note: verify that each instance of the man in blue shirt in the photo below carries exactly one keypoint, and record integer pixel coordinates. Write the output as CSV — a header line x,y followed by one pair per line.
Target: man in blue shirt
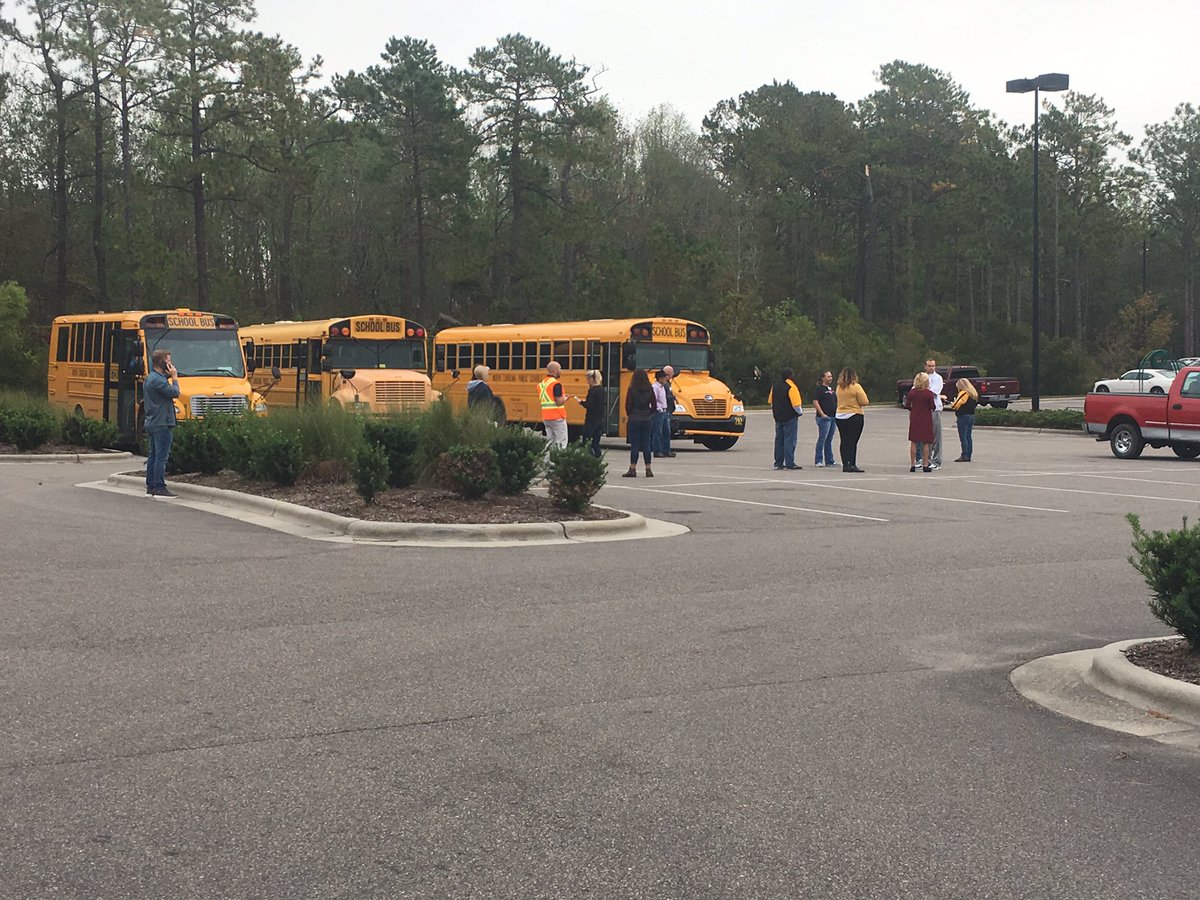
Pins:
x,y
158,400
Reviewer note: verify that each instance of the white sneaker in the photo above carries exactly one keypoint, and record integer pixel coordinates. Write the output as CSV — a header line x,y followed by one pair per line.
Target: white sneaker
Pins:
x,y
820,465
934,466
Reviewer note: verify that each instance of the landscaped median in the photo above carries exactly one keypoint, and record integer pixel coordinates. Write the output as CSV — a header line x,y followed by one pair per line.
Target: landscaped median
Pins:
x,y
1042,420
321,525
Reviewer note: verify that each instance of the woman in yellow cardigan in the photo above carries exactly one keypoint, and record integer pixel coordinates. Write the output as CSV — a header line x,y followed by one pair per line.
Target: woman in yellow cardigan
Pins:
x,y
851,401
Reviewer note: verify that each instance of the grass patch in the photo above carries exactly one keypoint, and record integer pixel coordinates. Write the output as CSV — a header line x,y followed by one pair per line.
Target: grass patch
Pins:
x,y
1058,419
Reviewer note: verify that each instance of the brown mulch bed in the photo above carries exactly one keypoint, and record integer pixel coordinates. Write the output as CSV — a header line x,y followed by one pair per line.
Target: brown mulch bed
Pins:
x,y
410,504
55,446
1171,658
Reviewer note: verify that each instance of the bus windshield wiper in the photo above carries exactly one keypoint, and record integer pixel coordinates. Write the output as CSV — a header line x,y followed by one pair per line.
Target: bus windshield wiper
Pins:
x,y
215,370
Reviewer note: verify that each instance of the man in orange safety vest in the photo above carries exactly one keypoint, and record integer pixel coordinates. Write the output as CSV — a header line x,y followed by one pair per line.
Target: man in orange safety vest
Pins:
x,y
553,400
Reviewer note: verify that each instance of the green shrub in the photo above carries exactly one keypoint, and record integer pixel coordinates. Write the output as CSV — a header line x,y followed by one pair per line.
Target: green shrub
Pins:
x,y
519,455
276,455
574,476
1170,563
469,471
371,470
95,434
1059,419
197,447
236,435
28,428
442,427
400,439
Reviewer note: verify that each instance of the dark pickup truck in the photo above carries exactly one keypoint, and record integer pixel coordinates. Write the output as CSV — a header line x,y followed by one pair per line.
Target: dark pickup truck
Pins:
x,y
995,392
1131,421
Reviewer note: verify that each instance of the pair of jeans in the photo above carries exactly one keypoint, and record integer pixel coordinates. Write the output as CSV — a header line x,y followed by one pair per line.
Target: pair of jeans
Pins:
x,y
639,440
660,433
592,432
849,430
826,425
158,440
785,443
966,437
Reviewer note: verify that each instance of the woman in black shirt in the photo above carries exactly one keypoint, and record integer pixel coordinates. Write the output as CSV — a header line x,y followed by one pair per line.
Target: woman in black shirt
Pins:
x,y
594,403
639,410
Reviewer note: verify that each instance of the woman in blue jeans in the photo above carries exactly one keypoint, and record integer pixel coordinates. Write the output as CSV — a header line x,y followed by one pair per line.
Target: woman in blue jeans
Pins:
x,y
825,406
639,412
964,411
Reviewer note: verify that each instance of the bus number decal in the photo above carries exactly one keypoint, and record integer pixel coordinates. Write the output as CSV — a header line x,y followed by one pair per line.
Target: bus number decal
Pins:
x,y
376,326
175,321
670,331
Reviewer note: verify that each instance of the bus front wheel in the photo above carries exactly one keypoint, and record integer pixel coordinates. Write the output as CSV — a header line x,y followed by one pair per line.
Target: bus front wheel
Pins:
x,y
715,442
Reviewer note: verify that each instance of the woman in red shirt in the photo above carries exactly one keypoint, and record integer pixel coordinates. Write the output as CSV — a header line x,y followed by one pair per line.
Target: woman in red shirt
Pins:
x,y
921,404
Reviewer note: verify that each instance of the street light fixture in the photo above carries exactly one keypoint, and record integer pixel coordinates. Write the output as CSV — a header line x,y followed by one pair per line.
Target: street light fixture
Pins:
x,y
1052,81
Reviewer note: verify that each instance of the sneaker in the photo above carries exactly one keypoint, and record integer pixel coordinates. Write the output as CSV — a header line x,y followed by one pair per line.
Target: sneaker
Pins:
x,y
928,468
776,467
819,465
165,494
912,468
854,469
149,492
935,465
671,453
793,467
962,459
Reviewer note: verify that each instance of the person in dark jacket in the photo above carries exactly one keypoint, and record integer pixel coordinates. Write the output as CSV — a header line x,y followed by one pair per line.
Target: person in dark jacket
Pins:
x,y
964,406
639,412
159,392
787,407
480,393
595,405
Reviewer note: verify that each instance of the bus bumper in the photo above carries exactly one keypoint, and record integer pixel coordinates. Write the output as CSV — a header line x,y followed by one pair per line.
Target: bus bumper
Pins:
x,y
689,425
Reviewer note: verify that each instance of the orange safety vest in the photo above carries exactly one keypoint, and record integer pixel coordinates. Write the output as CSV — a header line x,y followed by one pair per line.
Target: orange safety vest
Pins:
x,y
550,409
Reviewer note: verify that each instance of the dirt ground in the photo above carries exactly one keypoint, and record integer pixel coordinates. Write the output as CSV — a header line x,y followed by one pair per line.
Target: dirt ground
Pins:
x,y
410,504
1171,658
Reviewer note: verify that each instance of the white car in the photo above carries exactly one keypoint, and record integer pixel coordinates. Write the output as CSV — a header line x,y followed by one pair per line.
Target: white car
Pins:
x,y
1138,381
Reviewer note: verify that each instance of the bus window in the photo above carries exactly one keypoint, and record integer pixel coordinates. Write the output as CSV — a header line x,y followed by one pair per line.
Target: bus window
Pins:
x,y
593,354
531,355
489,357
562,353
577,356
543,354
476,356
64,343
77,343
502,359
439,357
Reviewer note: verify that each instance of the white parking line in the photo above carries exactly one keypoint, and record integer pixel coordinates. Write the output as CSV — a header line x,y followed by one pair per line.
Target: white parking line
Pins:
x,y
1038,487
1191,484
839,487
820,512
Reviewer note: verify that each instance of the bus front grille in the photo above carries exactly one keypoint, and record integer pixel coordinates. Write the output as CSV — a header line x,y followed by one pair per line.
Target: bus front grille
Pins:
x,y
712,409
400,393
203,406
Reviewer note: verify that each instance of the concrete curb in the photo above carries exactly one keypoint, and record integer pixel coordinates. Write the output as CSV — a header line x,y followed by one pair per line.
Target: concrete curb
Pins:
x,y
631,527
1022,430
1114,675
101,456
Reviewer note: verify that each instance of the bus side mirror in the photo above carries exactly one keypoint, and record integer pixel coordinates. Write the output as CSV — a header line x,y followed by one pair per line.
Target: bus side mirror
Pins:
x,y
275,373
627,356
454,374
347,374
250,366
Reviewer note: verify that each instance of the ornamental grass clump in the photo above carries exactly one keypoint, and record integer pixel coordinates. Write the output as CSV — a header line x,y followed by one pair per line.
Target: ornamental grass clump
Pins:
x,y
1170,563
276,455
574,476
468,471
329,436
442,427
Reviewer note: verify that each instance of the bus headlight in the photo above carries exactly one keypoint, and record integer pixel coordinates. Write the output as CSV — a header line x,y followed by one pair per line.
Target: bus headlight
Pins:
x,y
680,409
261,407
739,407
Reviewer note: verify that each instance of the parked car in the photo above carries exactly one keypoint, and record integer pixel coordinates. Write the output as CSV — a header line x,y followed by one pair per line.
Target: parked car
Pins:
x,y
1137,381
1130,422
993,391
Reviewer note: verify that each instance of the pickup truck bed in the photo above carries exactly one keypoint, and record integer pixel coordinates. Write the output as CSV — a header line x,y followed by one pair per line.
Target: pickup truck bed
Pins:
x,y
1131,422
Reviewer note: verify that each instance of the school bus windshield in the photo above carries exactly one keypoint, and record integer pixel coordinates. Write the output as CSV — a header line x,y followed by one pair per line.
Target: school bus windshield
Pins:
x,y
678,356
199,351
352,354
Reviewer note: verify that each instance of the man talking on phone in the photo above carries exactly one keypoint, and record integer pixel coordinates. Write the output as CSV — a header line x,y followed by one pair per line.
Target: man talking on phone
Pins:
x,y
158,400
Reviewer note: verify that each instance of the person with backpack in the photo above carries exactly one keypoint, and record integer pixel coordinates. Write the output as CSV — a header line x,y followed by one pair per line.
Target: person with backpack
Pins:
x,y
787,407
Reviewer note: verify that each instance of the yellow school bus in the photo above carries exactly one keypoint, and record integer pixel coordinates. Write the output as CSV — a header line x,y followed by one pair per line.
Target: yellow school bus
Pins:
x,y
705,409
368,363
99,360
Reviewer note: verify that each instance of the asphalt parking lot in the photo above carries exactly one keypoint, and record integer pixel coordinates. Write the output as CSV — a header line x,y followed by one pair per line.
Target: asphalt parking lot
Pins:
x,y
806,696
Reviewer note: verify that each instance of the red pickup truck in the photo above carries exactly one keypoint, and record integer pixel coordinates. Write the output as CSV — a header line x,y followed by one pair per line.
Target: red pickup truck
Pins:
x,y
1131,421
995,392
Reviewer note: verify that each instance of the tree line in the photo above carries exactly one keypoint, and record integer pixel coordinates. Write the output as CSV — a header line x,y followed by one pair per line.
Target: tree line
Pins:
x,y
163,153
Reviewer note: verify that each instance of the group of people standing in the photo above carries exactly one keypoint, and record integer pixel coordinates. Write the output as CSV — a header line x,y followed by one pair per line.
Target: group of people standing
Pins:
x,y
648,409
925,403
839,408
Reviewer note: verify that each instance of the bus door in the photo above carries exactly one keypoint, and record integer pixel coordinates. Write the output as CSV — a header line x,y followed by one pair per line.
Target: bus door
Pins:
x,y
609,364
124,366
310,352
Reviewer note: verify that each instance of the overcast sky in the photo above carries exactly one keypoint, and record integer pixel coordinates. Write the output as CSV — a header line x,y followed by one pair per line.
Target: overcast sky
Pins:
x,y
1138,57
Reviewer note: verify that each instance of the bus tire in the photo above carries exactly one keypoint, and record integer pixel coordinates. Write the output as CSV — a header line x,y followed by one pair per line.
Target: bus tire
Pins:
x,y
718,442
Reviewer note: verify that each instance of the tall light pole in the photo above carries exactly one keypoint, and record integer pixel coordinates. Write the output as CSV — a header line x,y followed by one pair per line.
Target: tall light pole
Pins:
x,y
1052,81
